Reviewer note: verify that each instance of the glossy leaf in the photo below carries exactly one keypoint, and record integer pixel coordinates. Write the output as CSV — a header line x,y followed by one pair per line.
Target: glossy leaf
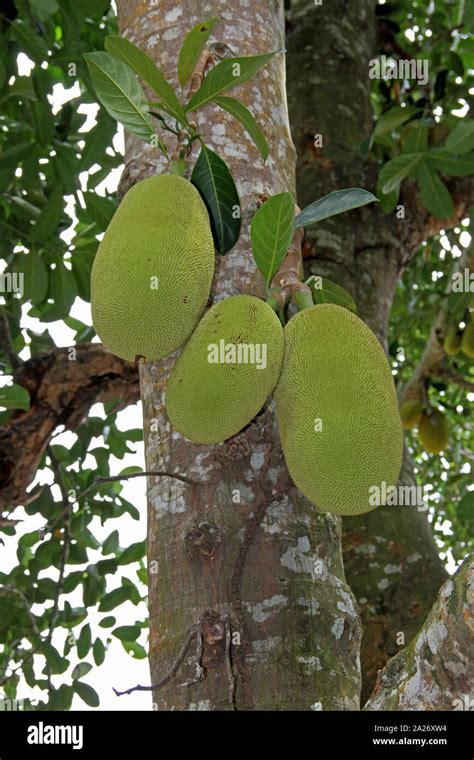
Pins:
x,y
14,397
147,70
453,166
395,171
192,47
271,233
229,73
243,115
461,139
215,183
120,94
335,203
326,291
434,192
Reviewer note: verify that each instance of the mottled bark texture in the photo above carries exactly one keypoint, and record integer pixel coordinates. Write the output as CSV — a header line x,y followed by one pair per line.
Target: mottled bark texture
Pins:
x,y
241,550
63,385
436,672
391,561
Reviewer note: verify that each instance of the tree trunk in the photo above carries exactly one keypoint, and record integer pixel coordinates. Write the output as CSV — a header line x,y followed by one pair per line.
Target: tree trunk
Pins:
x,y
390,558
241,553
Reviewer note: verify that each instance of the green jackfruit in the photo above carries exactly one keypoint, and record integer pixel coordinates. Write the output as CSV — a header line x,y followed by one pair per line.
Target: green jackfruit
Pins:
x,y
452,341
226,371
337,411
467,342
410,413
434,432
152,273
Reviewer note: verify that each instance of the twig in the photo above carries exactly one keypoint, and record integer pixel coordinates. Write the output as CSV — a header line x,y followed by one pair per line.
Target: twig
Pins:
x,y
7,342
286,285
456,379
200,672
173,669
100,480
56,467
205,59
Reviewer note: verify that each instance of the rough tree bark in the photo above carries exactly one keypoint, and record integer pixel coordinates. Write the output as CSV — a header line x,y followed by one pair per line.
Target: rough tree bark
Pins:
x,y
390,558
270,562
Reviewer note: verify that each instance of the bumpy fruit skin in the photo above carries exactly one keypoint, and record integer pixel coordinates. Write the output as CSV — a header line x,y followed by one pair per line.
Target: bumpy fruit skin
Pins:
x,y
410,413
434,432
210,402
452,341
160,230
467,343
336,371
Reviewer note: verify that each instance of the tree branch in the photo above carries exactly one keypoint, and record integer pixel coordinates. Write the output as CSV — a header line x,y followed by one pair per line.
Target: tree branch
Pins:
x,y
436,672
62,391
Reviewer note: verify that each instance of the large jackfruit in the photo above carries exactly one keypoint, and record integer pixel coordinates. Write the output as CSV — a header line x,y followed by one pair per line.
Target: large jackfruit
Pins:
x,y
337,411
467,343
226,371
152,273
410,413
434,432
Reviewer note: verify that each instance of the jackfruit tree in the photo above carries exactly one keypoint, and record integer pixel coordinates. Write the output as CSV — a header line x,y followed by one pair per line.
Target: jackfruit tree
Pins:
x,y
298,181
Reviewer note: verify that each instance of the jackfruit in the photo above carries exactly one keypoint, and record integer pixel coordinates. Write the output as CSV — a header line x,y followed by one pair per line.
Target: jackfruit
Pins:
x,y
410,413
152,274
467,342
337,411
452,341
226,371
434,432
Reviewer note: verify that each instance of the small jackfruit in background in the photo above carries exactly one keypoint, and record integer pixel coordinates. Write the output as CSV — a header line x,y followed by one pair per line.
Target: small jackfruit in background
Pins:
x,y
467,342
337,410
410,413
226,371
434,432
452,341
152,274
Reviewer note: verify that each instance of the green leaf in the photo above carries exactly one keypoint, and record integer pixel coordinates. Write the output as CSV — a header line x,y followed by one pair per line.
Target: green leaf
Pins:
x,y
30,41
36,276
434,193
243,115
97,141
136,650
43,123
120,94
111,543
11,156
132,553
397,169
326,291
392,119
112,600
82,260
98,651
108,622
192,47
87,693
49,218
417,138
388,201
229,73
14,397
454,166
332,204
54,662
81,669
211,176
62,287
44,8
465,508
84,641
100,209
271,233
127,632
461,139
143,65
